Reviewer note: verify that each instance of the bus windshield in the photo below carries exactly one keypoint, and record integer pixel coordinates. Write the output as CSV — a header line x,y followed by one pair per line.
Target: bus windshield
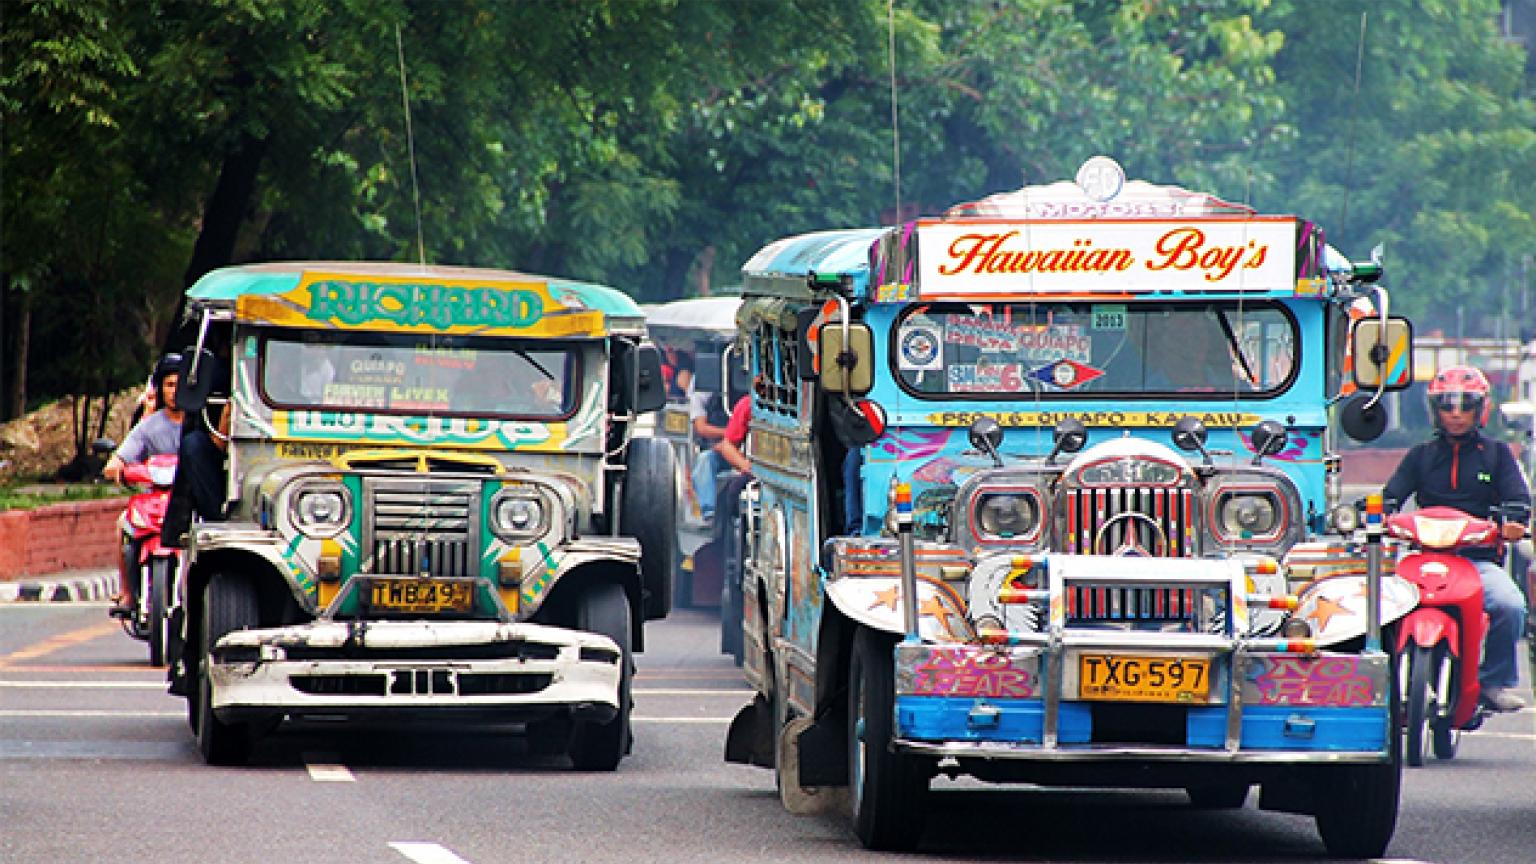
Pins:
x,y
401,374
1199,350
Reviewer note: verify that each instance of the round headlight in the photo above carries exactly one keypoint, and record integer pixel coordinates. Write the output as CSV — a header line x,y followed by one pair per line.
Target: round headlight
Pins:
x,y
1007,515
518,517
320,512
1244,516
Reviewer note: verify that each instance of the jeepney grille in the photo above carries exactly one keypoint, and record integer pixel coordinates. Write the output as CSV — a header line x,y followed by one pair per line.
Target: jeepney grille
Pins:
x,y
1091,512
429,526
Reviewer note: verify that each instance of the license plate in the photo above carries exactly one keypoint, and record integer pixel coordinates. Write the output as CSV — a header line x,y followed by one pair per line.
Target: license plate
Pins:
x,y
676,422
420,595
1116,677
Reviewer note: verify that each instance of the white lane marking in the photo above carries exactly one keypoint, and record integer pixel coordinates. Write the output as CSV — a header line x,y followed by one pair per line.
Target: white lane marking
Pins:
x,y
663,692
323,768
427,853
85,685
41,712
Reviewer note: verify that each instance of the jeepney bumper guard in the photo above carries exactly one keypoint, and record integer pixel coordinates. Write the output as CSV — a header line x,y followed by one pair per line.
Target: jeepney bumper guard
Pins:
x,y
515,671
1013,695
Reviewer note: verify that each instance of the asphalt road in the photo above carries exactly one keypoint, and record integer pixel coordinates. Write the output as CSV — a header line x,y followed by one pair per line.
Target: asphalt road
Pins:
x,y
97,765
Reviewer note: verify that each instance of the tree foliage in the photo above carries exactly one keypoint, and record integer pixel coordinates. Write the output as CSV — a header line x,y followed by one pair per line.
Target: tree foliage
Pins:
x,y
654,144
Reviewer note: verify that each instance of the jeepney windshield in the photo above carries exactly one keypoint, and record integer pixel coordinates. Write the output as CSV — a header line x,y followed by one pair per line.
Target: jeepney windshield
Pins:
x,y
1197,350
408,374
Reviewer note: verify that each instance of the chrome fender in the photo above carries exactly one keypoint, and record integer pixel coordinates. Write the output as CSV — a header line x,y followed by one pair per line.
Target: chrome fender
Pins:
x,y
1336,610
875,601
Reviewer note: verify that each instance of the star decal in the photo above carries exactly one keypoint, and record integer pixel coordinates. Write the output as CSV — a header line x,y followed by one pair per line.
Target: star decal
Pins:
x,y
1325,611
933,608
887,598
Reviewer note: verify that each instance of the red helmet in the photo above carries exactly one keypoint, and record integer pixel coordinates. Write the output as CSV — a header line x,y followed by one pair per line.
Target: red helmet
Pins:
x,y
1460,385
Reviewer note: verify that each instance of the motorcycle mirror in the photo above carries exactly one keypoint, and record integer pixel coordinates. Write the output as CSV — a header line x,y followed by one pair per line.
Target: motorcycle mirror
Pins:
x,y
985,435
1070,436
1269,437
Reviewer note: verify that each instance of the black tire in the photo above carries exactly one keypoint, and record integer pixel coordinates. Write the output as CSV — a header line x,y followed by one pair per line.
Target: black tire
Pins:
x,y
1356,805
1445,738
1218,796
229,604
649,514
732,636
886,789
604,608
159,609
1417,704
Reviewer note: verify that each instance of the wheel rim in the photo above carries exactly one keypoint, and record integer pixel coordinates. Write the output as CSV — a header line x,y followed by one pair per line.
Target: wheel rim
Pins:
x,y
860,751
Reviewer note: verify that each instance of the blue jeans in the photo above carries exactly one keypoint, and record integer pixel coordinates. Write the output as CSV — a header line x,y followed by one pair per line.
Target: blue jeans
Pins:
x,y
853,491
705,468
1506,619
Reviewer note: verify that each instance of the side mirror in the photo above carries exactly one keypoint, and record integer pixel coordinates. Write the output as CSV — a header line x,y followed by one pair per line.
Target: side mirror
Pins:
x,y
199,371
1382,354
851,367
1361,420
1269,438
647,385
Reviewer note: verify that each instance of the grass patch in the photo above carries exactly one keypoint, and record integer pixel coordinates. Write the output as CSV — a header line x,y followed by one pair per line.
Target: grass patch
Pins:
x,y
35,495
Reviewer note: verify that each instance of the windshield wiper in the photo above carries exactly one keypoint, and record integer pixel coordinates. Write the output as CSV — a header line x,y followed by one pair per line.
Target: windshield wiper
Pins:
x,y
1237,350
523,353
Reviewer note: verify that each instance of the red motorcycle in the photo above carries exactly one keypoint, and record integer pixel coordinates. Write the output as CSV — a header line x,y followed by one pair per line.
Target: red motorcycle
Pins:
x,y
154,570
1440,642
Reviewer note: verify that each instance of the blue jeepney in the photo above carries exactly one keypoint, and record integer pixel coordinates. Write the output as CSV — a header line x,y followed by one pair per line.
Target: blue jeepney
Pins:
x,y
1048,493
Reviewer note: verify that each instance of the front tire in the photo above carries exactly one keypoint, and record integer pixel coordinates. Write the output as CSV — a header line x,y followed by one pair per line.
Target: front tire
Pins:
x,y
1356,805
1218,796
1418,704
229,604
159,606
886,789
604,609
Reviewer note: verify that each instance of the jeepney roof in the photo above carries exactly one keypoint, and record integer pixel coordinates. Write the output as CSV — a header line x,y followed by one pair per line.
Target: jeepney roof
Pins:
x,y
714,314
227,287
783,267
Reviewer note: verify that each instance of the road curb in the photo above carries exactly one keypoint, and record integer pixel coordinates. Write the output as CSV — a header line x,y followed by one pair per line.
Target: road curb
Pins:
x,y
61,588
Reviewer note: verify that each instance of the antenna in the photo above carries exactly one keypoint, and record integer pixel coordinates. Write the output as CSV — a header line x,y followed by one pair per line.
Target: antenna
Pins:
x,y
410,141
890,20
1349,153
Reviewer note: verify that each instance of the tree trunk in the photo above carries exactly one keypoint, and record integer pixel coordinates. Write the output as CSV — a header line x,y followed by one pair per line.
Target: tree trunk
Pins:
x,y
18,406
226,210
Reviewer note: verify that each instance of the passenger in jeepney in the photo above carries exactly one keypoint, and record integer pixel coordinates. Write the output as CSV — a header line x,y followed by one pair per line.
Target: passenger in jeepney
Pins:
x,y
706,412
200,487
1189,352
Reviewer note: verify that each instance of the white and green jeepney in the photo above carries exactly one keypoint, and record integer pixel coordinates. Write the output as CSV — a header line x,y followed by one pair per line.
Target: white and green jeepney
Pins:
x,y
430,481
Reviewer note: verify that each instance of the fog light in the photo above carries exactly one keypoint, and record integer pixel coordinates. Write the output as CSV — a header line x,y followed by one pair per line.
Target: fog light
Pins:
x,y
1296,628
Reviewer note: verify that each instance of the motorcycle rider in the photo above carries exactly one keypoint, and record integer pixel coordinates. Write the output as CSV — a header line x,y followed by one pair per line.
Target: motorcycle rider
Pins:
x,y
156,433
1463,469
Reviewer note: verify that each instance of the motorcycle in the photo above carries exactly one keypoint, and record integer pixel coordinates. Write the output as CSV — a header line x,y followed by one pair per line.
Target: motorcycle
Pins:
x,y
1440,642
155,570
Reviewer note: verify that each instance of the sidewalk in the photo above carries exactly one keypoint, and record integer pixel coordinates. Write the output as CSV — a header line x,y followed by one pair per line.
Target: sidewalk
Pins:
x,y
68,586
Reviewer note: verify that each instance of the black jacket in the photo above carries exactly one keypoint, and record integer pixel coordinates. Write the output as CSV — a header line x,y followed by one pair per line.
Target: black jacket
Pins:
x,y
1472,474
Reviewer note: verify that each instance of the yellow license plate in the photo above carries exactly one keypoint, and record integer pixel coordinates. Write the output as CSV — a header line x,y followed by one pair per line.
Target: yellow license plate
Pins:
x,y
1118,678
420,595
676,422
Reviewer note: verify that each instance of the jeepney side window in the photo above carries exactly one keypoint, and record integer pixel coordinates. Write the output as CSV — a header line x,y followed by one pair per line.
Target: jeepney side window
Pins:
x,y
1338,348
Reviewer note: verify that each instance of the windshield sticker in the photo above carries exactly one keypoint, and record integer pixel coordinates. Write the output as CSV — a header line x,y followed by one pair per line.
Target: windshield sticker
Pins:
x,y
1066,374
1053,342
445,431
1109,316
986,378
921,350
982,332
1100,419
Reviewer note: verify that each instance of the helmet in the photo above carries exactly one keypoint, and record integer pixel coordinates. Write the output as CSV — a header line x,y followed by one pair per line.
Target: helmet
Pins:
x,y
170,364
1464,384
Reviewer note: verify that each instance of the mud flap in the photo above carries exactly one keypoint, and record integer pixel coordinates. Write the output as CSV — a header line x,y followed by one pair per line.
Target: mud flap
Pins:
x,y
798,796
750,738
823,749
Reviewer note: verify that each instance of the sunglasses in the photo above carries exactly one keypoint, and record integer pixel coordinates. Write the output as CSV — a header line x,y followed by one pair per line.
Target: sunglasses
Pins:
x,y
1464,402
